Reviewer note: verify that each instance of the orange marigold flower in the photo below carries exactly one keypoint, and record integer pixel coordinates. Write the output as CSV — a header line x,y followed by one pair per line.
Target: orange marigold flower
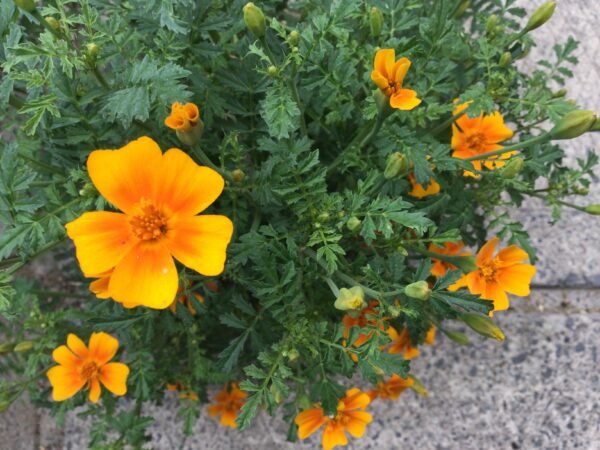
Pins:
x,y
229,401
401,343
184,393
183,117
419,191
350,416
81,366
439,267
388,75
160,196
497,275
366,317
392,388
477,135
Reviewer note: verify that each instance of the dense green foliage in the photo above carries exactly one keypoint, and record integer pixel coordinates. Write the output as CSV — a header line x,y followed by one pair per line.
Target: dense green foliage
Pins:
x,y
302,134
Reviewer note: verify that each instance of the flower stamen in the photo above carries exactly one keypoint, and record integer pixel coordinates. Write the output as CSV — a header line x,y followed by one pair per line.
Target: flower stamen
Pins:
x,y
150,225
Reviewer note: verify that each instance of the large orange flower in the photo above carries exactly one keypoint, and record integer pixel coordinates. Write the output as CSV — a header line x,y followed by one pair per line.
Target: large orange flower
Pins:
x,y
81,366
160,195
439,267
392,388
228,404
388,75
497,275
350,416
477,135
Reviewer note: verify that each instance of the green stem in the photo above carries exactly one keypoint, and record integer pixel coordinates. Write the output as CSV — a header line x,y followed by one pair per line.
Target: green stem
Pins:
x,y
445,124
12,269
203,157
519,145
100,77
561,202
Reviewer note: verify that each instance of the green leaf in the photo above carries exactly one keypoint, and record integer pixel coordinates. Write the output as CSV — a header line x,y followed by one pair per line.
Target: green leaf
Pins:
x,y
280,112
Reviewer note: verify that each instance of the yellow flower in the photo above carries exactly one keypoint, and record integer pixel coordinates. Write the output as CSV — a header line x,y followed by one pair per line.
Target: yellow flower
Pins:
x,y
497,275
160,195
477,135
439,267
350,417
183,117
228,404
392,388
81,366
388,75
419,191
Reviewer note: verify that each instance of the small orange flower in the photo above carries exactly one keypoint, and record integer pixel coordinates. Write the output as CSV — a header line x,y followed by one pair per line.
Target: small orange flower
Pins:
x,y
160,195
388,75
185,300
184,393
430,336
439,267
477,135
419,191
183,117
367,317
81,366
392,388
350,416
228,404
401,343
497,275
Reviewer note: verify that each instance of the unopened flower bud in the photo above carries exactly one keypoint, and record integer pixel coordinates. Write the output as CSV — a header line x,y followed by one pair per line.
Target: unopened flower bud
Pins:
x,y
381,100
378,370
272,71
238,175
88,189
541,16
394,311
294,38
419,290
490,24
513,167
596,126
594,210
400,249
6,347
560,93
254,19
277,394
505,59
462,8
293,355
396,164
349,299
458,337
25,5
375,21
483,325
52,22
191,136
418,387
324,216
353,223
23,346
91,52
574,124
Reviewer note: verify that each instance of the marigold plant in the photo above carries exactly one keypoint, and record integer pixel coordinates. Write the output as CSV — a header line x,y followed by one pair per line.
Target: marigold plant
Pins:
x,y
272,199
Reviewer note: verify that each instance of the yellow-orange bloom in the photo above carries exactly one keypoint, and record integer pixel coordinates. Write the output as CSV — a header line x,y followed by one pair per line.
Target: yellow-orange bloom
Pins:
x,y
87,366
477,135
183,117
160,195
350,416
420,191
439,267
388,75
401,343
392,388
497,275
367,317
229,401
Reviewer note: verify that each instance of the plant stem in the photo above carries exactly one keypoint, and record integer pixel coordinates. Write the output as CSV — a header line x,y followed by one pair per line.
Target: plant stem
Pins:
x,y
519,145
445,124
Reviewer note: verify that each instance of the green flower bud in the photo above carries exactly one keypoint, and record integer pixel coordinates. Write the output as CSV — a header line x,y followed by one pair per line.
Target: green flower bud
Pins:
x,y
91,52
394,311
574,124
375,21
419,290
462,8
505,59
294,38
560,93
458,337
381,100
541,16
396,164
293,355
513,167
400,249
88,189
277,394
191,136
6,347
254,19
238,175
594,210
272,71
324,216
52,23
483,325
490,24
596,126
353,223
418,387
23,346
349,299
25,5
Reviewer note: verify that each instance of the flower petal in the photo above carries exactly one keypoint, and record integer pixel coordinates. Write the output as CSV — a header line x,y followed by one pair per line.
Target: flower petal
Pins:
x,y
494,129
400,68
77,346
357,423
127,175
384,59
228,418
101,240
100,287
493,291
95,390
65,382
145,276
485,253
310,421
333,435
516,279
185,187
103,347
114,377
511,255
200,242
65,357
405,100
381,81
355,399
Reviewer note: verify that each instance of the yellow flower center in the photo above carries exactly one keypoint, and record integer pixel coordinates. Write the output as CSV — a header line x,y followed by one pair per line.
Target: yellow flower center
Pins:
x,y
475,141
488,271
150,224
89,370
